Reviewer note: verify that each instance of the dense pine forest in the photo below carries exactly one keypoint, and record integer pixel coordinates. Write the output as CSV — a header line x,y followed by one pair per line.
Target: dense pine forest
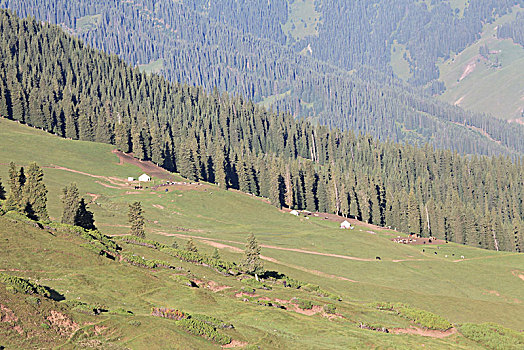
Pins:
x,y
51,80
201,43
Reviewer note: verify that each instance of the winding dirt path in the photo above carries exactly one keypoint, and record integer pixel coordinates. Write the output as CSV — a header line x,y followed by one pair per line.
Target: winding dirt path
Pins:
x,y
275,261
424,332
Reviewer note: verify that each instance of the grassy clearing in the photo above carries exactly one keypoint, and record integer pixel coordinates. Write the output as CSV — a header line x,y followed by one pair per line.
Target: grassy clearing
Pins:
x,y
494,84
399,63
153,66
303,20
482,287
87,23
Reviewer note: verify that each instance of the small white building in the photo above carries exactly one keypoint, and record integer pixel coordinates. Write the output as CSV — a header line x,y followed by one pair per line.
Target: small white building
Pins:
x,y
130,179
144,178
345,225
294,212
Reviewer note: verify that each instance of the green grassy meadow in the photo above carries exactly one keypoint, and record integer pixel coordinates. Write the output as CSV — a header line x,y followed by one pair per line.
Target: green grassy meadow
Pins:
x,y
483,287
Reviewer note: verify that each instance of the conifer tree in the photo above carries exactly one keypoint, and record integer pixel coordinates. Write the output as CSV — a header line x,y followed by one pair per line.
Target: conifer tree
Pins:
x,y
16,185
190,246
252,264
136,219
2,191
216,254
35,193
414,218
71,202
220,163
84,217
174,245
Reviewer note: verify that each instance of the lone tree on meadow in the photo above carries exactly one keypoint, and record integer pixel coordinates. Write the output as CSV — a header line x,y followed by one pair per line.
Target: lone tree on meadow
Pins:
x,y
190,246
75,209
71,202
252,263
136,219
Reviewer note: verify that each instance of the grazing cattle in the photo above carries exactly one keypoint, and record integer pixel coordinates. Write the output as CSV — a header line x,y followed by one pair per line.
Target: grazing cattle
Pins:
x,y
435,253
423,250
462,256
378,258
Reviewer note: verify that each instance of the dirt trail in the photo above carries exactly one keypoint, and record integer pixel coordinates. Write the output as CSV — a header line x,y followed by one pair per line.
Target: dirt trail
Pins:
x,y
519,274
235,249
485,257
424,332
94,196
238,250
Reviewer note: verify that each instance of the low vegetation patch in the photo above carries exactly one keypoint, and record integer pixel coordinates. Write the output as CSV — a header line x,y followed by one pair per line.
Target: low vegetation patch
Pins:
x,y
172,314
303,303
423,318
136,260
19,285
493,336
205,330
212,321
256,284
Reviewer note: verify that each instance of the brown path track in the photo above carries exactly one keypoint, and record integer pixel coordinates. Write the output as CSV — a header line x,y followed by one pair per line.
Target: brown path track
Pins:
x,y
424,332
238,250
278,248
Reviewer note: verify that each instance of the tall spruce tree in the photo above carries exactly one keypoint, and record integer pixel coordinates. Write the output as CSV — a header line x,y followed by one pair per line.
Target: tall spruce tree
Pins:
x,y
16,186
136,219
84,217
71,202
190,246
252,264
35,193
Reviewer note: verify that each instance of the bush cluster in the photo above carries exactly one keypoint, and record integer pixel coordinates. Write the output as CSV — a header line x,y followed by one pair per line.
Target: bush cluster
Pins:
x,y
493,336
423,318
205,330
256,284
90,309
185,255
212,321
320,292
303,304
329,309
136,260
172,314
20,285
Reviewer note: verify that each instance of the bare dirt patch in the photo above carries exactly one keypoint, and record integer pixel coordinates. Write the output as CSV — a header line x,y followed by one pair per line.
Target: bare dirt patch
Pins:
x,y
158,206
424,332
62,323
93,196
470,68
7,315
215,287
150,168
235,344
519,274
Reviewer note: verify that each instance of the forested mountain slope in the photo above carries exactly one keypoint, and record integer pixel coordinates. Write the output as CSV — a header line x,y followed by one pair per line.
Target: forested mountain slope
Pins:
x,y
201,44
52,81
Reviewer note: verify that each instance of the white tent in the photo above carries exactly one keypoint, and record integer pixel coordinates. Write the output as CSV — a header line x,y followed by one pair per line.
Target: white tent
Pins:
x,y
294,212
345,225
144,178
130,178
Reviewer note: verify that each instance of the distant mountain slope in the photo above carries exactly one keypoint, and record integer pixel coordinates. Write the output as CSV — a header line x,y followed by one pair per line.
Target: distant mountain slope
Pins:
x,y
487,76
197,44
